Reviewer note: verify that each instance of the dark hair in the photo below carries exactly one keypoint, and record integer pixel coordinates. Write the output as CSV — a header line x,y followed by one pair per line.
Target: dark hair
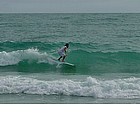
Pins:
x,y
67,44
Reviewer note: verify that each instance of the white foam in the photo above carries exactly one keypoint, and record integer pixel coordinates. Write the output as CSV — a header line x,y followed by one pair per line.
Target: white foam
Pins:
x,y
14,57
117,88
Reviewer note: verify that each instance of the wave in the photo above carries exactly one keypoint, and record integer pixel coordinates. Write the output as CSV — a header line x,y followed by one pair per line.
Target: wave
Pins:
x,y
19,45
89,87
53,46
30,56
86,62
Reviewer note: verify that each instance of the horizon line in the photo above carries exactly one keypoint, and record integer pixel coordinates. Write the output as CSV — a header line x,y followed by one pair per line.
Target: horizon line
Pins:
x,y
69,12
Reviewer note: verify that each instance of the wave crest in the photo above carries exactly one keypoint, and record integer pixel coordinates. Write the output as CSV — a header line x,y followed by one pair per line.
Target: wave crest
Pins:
x,y
14,57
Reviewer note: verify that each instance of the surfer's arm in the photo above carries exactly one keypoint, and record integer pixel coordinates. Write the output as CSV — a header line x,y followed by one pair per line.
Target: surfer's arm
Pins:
x,y
65,50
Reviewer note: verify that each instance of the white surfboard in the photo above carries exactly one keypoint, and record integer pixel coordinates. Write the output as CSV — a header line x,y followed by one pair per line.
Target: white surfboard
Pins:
x,y
65,63
55,61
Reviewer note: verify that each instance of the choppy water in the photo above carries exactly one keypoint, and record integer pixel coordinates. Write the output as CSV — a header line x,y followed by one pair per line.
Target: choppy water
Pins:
x,y
105,49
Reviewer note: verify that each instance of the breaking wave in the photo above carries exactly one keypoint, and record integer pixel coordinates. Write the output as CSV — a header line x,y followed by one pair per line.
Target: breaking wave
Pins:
x,y
92,87
86,62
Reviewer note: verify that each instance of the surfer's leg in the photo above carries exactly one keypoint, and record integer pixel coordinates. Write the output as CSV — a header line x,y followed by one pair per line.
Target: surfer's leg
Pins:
x,y
63,58
59,58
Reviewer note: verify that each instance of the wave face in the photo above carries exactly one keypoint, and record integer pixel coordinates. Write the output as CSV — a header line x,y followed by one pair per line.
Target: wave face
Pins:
x,y
30,60
89,87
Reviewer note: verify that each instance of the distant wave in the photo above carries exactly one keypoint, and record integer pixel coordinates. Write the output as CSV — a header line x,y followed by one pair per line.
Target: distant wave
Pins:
x,y
90,87
19,45
9,46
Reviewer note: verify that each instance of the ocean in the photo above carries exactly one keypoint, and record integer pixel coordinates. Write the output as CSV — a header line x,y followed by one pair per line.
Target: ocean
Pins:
x,y
104,48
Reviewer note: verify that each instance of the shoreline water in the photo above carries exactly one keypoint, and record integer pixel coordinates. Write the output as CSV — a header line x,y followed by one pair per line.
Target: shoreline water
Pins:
x,y
60,99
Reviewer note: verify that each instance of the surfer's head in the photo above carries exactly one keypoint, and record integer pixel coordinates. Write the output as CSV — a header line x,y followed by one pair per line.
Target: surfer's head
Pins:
x,y
67,45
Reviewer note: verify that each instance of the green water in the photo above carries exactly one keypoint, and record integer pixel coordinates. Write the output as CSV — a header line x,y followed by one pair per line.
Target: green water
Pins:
x,y
103,47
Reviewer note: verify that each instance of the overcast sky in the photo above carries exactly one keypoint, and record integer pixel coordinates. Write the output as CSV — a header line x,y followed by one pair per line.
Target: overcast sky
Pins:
x,y
69,6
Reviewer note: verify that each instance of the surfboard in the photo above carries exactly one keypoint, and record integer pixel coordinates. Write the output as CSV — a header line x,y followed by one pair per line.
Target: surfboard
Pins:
x,y
59,64
55,60
66,63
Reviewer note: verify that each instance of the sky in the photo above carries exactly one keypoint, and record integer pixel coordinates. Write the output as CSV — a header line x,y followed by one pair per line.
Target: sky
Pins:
x,y
69,6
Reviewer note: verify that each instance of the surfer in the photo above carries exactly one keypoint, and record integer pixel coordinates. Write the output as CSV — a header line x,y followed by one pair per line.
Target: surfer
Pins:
x,y
62,52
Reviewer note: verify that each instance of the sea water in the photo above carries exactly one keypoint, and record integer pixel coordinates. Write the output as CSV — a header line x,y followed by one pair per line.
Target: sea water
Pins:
x,y
104,48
